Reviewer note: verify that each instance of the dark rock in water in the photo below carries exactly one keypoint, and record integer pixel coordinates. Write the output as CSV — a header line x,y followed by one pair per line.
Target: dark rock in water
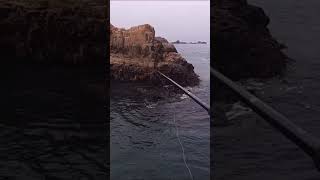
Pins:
x,y
181,42
136,53
72,32
242,44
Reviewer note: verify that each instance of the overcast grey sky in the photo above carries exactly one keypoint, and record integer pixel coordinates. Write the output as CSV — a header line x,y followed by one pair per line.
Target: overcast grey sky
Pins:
x,y
173,20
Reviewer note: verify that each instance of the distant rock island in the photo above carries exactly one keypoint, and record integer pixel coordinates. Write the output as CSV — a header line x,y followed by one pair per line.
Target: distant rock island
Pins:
x,y
182,42
136,53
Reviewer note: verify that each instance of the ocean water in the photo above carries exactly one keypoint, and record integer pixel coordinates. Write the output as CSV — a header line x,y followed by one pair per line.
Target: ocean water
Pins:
x,y
249,148
52,123
143,137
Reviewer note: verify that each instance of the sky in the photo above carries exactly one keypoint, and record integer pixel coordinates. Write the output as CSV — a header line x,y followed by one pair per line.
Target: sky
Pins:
x,y
174,20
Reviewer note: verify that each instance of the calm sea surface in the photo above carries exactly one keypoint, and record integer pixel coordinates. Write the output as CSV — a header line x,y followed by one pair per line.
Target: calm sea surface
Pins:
x,y
250,148
52,123
143,136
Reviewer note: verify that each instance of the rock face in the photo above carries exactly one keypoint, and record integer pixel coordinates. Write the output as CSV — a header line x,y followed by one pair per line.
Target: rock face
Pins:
x,y
241,42
136,53
72,32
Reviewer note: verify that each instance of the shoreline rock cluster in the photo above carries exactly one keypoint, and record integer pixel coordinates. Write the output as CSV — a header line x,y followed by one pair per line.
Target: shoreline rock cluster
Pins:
x,y
69,32
242,44
136,53
75,33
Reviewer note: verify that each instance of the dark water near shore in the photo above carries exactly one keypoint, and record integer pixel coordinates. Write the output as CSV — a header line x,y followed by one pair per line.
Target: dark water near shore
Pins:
x,y
143,140
250,148
52,122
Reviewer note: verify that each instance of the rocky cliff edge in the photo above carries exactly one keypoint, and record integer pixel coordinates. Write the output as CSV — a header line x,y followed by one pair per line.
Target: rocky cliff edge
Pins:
x,y
136,54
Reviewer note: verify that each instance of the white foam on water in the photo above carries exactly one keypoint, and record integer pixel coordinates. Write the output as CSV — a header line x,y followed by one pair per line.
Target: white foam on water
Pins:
x,y
237,110
151,106
184,96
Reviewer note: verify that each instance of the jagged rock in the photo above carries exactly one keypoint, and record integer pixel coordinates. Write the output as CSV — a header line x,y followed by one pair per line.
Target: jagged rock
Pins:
x,y
242,44
136,53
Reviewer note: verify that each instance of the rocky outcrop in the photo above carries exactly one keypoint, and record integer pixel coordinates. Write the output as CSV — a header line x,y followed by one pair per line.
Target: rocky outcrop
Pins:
x,y
242,44
136,53
69,31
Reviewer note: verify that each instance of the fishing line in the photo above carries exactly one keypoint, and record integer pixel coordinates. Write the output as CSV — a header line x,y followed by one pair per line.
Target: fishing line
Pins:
x,y
177,133
181,145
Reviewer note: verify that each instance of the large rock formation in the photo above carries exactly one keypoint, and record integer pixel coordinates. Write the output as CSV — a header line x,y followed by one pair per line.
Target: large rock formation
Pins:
x,y
241,42
68,31
136,53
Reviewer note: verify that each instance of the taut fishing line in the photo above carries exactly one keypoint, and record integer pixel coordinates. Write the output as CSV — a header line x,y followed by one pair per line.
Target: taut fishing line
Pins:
x,y
177,132
181,145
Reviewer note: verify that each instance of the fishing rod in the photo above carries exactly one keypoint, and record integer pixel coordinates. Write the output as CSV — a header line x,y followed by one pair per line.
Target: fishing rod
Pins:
x,y
192,96
196,99
307,142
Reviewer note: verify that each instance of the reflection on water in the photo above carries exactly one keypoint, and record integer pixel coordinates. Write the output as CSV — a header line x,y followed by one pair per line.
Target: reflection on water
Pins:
x,y
143,140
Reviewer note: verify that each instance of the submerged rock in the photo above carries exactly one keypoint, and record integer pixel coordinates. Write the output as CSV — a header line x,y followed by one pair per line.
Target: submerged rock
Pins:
x,y
136,54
